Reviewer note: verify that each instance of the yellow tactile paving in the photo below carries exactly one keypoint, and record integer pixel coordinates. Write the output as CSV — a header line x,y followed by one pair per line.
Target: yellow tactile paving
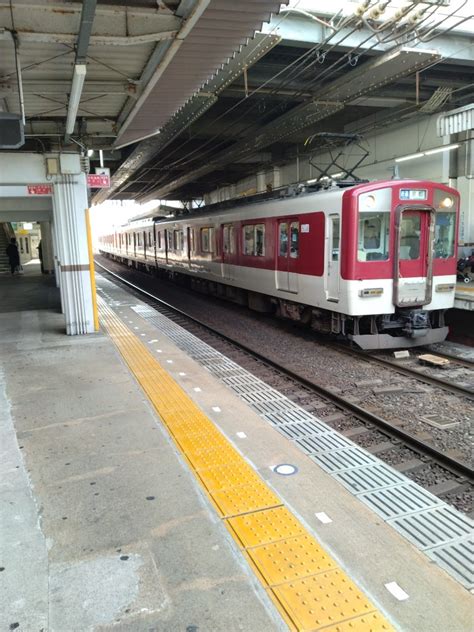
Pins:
x,y
266,526
227,476
289,562
322,600
239,500
372,622
290,559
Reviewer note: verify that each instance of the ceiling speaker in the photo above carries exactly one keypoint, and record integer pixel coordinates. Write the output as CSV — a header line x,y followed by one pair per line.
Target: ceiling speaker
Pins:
x,y
12,133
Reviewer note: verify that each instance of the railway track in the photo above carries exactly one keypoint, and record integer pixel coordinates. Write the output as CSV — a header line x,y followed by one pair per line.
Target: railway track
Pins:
x,y
440,473
417,374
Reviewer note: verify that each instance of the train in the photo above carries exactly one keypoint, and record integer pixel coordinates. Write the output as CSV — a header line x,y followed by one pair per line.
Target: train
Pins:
x,y
372,262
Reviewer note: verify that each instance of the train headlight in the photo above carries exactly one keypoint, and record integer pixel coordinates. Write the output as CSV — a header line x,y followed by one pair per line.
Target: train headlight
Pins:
x,y
447,202
445,287
370,201
371,291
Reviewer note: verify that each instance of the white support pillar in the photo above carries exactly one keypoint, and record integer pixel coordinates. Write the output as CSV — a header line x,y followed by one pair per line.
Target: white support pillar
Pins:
x,y
69,206
25,184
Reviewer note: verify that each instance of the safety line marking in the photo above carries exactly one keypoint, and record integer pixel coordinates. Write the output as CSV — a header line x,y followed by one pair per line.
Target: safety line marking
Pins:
x,y
306,584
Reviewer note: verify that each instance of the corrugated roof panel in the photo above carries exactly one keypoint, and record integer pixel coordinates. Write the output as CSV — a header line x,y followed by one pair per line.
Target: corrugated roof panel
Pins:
x,y
202,52
460,120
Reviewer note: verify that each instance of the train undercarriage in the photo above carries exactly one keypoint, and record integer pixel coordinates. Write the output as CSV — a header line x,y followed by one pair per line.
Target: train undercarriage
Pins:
x,y
407,327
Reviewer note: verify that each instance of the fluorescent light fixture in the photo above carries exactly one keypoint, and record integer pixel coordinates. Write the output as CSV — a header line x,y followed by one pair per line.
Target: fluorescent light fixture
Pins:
x,y
337,175
410,157
438,150
428,152
313,181
78,78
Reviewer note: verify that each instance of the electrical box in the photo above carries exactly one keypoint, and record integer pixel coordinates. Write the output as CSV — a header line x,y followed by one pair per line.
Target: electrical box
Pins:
x,y
70,164
52,166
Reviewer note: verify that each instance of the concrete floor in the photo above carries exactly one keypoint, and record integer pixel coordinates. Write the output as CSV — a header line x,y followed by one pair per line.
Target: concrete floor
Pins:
x,y
29,291
104,528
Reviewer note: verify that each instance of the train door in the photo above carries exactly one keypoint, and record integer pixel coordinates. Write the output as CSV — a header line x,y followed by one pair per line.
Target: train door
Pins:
x,y
333,270
287,253
413,276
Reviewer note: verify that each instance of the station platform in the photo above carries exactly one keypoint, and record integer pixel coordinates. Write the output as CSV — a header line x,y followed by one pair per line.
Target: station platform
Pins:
x,y
464,297
140,492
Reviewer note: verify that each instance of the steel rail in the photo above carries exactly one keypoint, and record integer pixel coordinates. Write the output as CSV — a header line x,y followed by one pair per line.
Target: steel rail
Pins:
x,y
411,372
459,468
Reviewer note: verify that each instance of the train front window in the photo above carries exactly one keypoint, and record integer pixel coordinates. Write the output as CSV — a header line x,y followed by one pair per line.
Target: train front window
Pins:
x,y
444,235
373,237
410,235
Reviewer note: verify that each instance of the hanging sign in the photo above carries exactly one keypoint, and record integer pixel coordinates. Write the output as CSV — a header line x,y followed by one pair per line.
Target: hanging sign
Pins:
x,y
40,189
97,181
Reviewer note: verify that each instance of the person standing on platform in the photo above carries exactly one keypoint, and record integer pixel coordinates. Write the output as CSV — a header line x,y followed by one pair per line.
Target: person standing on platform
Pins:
x,y
13,255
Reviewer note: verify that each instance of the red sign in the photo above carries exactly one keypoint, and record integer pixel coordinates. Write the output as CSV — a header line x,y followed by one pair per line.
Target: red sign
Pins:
x,y
40,189
97,181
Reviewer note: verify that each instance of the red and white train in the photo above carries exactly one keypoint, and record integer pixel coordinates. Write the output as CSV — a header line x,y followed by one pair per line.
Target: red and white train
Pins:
x,y
374,263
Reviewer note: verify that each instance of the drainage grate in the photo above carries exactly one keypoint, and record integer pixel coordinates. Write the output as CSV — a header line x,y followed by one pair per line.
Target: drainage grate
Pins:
x,y
342,459
363,479
457,558
352,466
302,429
321,443
399,500
432,527
297,415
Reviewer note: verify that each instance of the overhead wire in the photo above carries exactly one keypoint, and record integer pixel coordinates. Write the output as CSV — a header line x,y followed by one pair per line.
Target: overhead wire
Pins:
x,y
297,94
297,71
298,62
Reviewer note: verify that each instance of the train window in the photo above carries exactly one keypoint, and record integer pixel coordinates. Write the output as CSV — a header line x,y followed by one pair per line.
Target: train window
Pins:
x,y
254,240
294,240
169,240
373,238
410,231
228,233
260,240
158,234
336,229
283,239
207,239
444,235
249,240
178,240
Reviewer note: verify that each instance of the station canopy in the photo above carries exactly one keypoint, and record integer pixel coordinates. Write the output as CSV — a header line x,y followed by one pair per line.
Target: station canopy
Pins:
x,y
183,96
